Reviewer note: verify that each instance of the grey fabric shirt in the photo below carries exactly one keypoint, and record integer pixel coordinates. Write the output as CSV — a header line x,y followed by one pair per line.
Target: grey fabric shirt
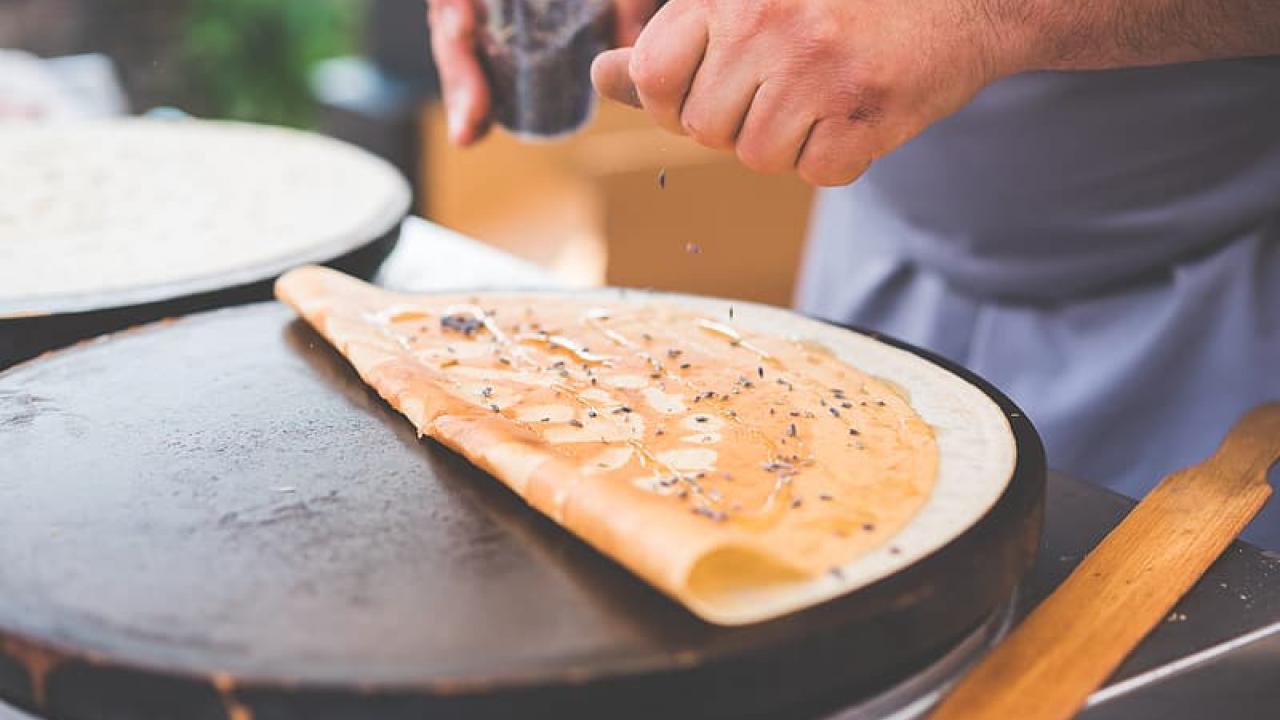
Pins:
x,y
1103,246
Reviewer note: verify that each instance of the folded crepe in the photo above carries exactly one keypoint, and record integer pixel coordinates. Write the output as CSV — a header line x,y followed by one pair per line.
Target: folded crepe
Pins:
x,y
727,454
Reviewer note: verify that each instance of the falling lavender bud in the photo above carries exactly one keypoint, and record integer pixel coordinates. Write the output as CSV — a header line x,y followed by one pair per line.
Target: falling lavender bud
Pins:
x,y
693,248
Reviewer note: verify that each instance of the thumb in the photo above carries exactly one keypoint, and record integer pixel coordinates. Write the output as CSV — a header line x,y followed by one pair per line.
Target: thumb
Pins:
x,y
611,76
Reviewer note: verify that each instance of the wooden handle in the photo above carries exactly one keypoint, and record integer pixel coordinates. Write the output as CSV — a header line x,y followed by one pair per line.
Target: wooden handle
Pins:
x,y
1078,636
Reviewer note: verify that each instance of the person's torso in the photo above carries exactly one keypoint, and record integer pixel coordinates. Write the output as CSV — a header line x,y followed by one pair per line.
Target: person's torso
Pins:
x,y
1051,184
1102,246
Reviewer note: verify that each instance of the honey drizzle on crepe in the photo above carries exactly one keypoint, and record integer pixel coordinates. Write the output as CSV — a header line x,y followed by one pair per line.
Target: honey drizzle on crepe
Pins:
x,y
784,467
726,572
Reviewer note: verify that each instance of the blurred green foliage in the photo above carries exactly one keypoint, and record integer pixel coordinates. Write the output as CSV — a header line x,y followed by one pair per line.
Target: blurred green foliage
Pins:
x,y
251,59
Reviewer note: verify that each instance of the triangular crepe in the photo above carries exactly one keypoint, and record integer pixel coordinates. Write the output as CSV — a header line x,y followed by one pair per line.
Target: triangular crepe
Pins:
x,y
743,473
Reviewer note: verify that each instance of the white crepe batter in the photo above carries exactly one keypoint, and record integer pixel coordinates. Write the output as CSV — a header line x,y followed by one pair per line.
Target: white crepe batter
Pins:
x,y
87,207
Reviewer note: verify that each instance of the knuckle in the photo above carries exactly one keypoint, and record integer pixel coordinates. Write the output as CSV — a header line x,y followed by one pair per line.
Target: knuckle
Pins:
x,y
824,32
754,17
818,38
815,176
739,22
861,102
829,171
866,113
647,71
691,128
866,107
702,126
755,156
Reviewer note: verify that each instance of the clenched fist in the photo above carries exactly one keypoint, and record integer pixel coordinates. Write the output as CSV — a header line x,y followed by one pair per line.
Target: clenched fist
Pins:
x,y
819,87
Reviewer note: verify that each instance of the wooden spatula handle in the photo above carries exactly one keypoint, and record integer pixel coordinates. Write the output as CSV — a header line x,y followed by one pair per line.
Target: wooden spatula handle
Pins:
x,y
1078,636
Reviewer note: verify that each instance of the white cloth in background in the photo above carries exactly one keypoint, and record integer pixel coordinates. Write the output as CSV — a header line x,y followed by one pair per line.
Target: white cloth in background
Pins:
x,y
66,88
432,258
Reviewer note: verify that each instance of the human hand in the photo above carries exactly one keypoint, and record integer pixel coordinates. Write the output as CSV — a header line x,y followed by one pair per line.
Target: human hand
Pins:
x,y
818,87
454,45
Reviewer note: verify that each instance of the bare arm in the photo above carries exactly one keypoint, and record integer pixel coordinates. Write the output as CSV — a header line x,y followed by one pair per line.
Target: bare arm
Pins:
x,y
824,87
1097,34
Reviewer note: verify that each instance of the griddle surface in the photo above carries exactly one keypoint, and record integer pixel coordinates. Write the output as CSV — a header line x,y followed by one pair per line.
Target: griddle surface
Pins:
x,y
217,511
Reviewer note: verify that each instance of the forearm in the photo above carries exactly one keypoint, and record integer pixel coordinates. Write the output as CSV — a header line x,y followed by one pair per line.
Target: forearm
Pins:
x,y
1096,34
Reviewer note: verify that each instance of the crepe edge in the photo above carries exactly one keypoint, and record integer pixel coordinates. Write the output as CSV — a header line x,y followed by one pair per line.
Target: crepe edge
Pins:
x,y
721,581
696,580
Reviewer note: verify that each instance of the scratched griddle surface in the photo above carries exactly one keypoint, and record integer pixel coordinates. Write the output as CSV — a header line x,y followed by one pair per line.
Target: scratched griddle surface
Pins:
x,y
215,514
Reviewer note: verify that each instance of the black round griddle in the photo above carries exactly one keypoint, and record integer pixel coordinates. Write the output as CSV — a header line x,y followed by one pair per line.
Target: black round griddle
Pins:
x,y
215,514
28,328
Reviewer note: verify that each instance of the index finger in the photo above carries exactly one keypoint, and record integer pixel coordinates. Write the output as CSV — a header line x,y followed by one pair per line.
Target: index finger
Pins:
x,y
612,79
666,58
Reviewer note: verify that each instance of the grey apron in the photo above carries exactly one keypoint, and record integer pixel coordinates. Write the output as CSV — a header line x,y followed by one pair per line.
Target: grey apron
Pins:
x,y
1103,246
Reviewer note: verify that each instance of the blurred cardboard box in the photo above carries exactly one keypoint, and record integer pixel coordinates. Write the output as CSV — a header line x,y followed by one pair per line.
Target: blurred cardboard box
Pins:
x,y
592,209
